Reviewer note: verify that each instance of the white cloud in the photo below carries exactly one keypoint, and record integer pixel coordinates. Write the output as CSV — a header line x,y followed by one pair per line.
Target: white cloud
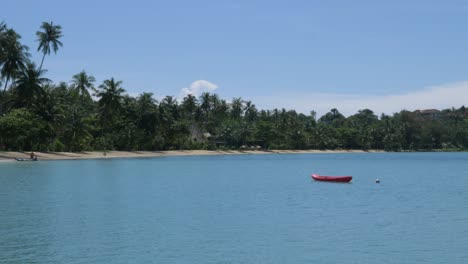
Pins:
x,y
198,87
438,97
134,94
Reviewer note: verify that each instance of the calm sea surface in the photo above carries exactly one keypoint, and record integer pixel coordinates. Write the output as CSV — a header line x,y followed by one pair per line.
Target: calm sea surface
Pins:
x,y
237,209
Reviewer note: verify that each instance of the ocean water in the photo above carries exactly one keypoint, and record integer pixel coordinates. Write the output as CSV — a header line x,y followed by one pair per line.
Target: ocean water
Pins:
x,y
237,209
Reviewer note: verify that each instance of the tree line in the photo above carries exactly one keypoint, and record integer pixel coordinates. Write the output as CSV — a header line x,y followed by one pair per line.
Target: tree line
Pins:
x,y
79,115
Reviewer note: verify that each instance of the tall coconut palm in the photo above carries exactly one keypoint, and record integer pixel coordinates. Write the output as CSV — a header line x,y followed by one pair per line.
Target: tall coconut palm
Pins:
x,y
205,103
146,104
50,108
237,106
251,111
110,100
29,85
3,29
77,129
147,112
189,106
13,57
82,82
49,39
2,37
2,26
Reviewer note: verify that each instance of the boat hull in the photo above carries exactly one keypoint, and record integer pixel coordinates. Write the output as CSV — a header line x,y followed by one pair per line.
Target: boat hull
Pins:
x,y
21,159
332,178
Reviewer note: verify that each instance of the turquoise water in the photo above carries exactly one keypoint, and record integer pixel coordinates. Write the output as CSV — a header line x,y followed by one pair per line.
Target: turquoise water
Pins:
x,y
237,209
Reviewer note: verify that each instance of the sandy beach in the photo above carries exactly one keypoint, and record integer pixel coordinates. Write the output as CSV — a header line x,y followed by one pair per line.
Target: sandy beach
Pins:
x,y
8,156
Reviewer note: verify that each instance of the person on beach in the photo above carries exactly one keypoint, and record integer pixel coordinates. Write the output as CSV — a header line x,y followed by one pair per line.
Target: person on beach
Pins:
x,y
33,156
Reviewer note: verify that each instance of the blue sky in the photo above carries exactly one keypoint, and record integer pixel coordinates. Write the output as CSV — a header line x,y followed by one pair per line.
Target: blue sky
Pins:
x,y
306,55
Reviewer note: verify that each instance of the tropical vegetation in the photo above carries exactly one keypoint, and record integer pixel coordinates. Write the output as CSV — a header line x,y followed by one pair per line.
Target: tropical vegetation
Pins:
x,y
79,115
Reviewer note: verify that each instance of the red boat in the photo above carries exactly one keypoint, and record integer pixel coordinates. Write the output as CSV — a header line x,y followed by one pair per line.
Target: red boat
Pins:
x,y
332,178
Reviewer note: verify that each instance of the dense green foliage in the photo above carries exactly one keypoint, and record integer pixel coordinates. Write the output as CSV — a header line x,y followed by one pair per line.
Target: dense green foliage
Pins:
x,y
40,115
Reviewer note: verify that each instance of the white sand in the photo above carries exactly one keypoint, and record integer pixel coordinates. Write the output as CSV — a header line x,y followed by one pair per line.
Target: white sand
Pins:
x,y
10,156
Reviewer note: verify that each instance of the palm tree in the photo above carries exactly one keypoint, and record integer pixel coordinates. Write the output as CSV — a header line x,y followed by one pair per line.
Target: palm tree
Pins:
x,y
147,112
189,106
29,85
250,112
3,29
13,57
2,37
146,104
237,106
49,106
168,109
77,128
49,39
2,26
81,83
110,100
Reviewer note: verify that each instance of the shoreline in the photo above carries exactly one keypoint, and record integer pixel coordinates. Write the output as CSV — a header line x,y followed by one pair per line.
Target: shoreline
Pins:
x,y
9,156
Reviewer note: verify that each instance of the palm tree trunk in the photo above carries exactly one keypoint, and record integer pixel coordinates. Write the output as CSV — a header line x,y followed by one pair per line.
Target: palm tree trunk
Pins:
x,y
42,61
6,83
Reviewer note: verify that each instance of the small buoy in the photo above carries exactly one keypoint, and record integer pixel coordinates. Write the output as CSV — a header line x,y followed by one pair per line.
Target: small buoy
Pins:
x,y
377,181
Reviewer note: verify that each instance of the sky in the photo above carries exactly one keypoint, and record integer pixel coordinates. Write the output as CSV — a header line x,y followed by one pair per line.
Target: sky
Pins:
x,y
301,55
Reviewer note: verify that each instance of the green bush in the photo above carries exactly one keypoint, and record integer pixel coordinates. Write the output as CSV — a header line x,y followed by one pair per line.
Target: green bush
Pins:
x,y
57,146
